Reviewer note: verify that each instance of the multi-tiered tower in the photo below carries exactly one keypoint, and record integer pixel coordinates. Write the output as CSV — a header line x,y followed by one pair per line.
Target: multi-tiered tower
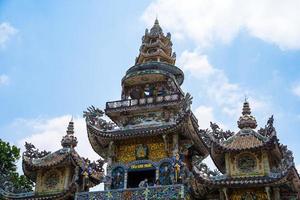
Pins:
x,y
154,148
153,134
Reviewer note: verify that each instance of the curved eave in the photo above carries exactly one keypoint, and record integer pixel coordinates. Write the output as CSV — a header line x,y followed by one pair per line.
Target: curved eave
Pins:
x,y
163,68
100,139
199,143
249,181
72,157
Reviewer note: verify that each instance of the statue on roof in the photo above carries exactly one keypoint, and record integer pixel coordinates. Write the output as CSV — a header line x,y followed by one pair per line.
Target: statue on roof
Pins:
x,y
94,117
269,129
218,133
32,152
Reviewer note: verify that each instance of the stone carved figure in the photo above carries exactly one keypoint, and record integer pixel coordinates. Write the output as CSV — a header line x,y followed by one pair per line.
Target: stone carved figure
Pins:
x,y
98,165
269,129
32,152
187,102
218,134
94,116
286,162
165,173
179,169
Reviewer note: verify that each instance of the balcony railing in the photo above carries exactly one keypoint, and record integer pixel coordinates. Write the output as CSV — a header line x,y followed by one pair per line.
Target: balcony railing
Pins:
x,y
143,101
155,192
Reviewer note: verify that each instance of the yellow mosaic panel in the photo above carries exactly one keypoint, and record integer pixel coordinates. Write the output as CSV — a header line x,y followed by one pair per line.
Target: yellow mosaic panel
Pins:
x,y
249,194
234,170
126,149
43,182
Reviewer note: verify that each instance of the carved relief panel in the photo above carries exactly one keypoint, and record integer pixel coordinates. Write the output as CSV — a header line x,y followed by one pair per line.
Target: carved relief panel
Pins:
x,y
246,164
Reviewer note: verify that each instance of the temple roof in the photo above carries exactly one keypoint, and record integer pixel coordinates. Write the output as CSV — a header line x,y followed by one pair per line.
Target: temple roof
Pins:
x,y
247,138
33,160
100,138
288,175
67,194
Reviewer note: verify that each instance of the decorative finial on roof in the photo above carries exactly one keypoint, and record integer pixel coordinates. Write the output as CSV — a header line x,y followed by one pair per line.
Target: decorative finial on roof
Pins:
x,y
156,29
247,120
69,140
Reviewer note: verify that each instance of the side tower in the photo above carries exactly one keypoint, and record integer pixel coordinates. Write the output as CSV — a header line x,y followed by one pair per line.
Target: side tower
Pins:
x,y
254,164
59,175
153,135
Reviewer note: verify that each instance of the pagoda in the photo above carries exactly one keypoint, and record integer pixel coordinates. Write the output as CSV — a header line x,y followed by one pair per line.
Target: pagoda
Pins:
x,y
254,165
153,134
58,175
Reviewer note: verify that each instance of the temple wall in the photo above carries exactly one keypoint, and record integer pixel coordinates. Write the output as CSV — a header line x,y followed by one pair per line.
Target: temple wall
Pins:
x,y
259,168
258,194
49,181
126,150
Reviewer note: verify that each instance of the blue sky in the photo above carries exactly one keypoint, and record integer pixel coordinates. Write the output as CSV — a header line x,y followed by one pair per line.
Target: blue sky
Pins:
x,y
59,57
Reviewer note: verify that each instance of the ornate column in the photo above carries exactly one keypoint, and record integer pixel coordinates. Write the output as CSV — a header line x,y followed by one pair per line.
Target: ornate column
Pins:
x,y
165,138
175,144
222,196
267,189
276,193
156,173
125,178
225,193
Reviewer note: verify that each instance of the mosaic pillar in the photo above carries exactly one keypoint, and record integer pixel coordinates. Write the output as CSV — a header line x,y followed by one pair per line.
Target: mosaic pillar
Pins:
x,y
125,179
225,193
268,192
107,183
156,173
175,144
222,196
276,193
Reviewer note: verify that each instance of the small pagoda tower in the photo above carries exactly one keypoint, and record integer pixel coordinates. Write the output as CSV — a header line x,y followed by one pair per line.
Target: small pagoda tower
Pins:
x,y
153,134
59,175
254,164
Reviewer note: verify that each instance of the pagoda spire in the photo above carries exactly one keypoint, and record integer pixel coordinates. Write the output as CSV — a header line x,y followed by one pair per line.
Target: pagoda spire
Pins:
x,y
246,120
156,47
69,140
156,29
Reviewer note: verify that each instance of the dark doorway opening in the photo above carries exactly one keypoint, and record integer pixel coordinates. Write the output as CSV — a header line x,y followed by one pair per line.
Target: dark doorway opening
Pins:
x,y
135,177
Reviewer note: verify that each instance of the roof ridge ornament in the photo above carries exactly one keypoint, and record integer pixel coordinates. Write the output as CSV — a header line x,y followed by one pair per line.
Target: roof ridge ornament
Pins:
x,y
246,121
69,140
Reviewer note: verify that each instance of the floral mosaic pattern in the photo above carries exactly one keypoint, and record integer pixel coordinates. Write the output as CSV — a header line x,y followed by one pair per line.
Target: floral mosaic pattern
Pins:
x,y
157,192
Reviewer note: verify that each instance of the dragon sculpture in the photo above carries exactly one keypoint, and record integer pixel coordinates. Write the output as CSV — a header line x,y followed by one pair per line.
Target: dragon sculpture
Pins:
x,y
33,152
94,116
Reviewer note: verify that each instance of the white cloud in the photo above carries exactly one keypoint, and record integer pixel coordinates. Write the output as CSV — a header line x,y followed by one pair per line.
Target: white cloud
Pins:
x,y
204,115
298,168
4,79
213,82
46,134
296,89
6,32
209,21
196,63
220,92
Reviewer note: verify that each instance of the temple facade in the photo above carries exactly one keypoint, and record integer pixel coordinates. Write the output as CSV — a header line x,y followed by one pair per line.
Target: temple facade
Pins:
x,y
57,175
153,148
